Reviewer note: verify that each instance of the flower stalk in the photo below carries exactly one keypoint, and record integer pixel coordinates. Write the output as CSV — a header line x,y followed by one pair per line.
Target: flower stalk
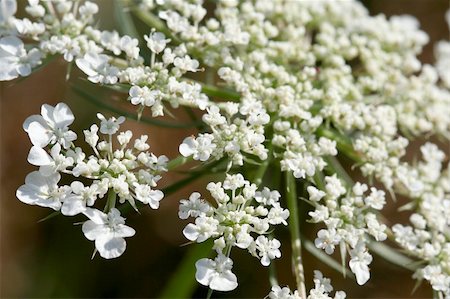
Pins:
x,y
294,224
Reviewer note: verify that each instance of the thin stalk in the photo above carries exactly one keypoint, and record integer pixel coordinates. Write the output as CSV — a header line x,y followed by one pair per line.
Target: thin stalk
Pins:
x,y
273,274
210,291
178,161
337,168
112,109
214,91
111,201
294,225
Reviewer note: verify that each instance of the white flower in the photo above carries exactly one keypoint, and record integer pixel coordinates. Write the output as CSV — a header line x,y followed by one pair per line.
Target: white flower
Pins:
x,y
91,136
216,273
360,259
51,126
315,194
97,68
81,196
156,42
233,182
186,64
110,126
375,199
8,9
143,96
193,207
14,59
42,190
268,249
148,196
200,148
327,240
267,197
203,229
108,231
277,214
52,163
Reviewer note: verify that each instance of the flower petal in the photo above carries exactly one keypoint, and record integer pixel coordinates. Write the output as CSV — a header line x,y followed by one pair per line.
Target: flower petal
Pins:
x,y
110,248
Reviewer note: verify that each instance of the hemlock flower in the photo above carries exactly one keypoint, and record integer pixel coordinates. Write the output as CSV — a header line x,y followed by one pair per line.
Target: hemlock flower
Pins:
x,y
156,42
128,173
97,68
108,231
43,190
236,220
52,126
216,274
15,61
360,259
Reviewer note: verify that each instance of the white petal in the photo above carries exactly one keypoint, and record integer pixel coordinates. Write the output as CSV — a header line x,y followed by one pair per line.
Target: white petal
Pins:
x,y
73,205
62,115
85,66
38,156
47,113
8,8
39,135
361,271
124,231
191,232
96,216
92,230
11,45
205,271
187,147
110,248
37,180
31,119
224,282
155,198
26,194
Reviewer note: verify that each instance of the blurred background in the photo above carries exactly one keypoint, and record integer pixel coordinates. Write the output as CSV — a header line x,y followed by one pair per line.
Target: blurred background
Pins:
x,y
52,259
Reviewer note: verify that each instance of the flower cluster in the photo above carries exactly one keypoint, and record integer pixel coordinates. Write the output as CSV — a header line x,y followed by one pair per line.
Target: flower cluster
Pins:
x,y
129,172
231,135
104,56
322,289
288,84
241,214
348,217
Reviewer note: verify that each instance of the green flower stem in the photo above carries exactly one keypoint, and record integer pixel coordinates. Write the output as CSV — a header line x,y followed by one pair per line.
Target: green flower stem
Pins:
x,y
147,120
111,201
294,228
153,22
337,168
273,274
391,255
326,259
178,161
213,91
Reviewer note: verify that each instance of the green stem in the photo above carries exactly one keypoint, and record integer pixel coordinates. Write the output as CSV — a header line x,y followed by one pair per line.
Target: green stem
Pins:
x,y
210,291
178,161
326,259
111,201
337,168
294,228
213,91
129,115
